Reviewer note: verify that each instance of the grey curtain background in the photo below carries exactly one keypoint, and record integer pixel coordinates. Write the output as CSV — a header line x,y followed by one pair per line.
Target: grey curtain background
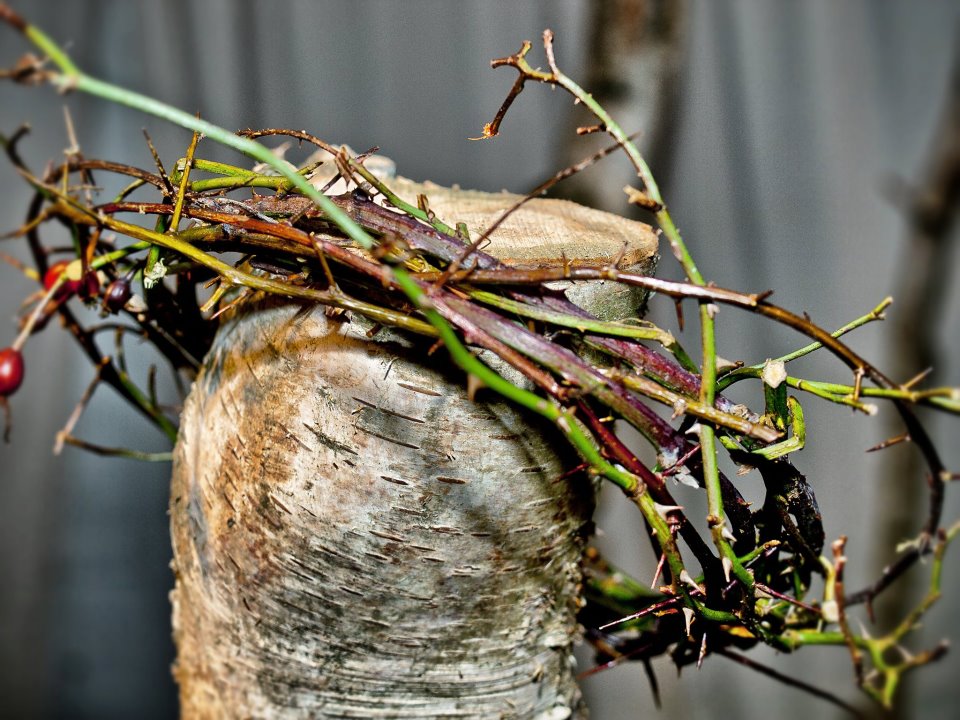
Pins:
x,y
791,119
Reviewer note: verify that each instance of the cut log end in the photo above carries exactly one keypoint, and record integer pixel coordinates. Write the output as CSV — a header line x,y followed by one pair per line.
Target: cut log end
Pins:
x,y
547,232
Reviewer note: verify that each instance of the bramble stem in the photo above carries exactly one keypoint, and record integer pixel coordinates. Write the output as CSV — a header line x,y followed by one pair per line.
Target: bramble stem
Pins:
x,y
278,239
711,473
708,373
73,79
749,370
583,324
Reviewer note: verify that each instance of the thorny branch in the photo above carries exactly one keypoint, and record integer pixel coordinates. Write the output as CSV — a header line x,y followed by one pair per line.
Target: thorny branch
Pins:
x,y
369,253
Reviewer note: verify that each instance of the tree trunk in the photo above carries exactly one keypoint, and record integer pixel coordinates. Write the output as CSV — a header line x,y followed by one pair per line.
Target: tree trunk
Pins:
x,y
354,537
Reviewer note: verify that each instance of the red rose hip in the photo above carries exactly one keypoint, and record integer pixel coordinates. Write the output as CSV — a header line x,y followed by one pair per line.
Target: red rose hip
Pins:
x,y
11,371
71,286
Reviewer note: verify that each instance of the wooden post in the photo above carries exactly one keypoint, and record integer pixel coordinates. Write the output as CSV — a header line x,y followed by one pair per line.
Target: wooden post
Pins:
x,y
355,537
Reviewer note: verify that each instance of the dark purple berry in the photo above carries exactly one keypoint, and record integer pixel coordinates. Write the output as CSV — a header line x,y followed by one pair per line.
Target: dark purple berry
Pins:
x,y
116,295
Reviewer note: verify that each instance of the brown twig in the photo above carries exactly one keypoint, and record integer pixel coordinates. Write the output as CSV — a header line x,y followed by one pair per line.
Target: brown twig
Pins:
x,y
788,680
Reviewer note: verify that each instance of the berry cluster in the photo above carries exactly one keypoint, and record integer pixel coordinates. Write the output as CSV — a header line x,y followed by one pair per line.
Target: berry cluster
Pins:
x,y
62,281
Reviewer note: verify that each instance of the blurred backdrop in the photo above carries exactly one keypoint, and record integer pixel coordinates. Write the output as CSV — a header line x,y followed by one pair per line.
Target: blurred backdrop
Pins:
x,y
783,134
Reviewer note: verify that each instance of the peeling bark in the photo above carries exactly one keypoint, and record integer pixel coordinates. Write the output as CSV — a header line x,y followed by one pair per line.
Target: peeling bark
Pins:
x,y
355,538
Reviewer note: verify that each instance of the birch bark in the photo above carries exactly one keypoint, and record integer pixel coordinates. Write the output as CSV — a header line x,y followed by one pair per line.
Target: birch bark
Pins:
x,y
355,538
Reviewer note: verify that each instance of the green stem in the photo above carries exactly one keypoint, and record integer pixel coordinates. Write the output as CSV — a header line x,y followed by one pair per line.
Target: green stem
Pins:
x,y
233,177
591,325
944,398
798,638
163,422
664,220
118,452
73,79
716,517
711,473
752,371
51,49
689,406
707,310
398,202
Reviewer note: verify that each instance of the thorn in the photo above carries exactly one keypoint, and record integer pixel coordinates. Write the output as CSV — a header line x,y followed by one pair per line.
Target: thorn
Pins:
x,y
589,129
423,204
664,510
473,385
916,378
890,442
74,147
615,263
703,651
641,199
724,365
656,575
686,579
688,616
727,564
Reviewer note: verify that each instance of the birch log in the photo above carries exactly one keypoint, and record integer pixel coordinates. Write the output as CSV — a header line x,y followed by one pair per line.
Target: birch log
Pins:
x,y
354,537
